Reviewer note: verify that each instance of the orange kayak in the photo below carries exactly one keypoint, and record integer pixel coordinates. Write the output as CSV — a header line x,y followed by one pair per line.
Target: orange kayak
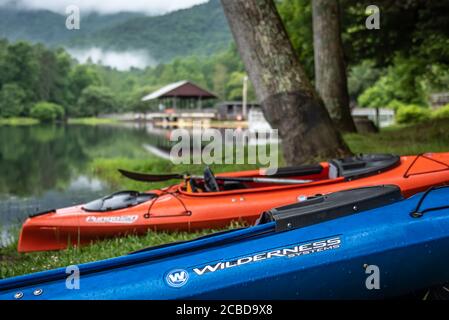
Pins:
x,y
181,207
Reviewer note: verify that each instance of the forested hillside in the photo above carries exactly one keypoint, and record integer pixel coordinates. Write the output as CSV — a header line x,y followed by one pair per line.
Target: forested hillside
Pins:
x,y
200,30
49,27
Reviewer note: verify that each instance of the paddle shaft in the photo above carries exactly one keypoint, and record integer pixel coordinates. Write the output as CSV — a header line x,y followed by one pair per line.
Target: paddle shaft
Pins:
x,y
259,180
144,177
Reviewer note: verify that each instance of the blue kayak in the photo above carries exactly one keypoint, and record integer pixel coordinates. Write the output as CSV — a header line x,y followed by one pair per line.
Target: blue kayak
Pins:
x,y
361,243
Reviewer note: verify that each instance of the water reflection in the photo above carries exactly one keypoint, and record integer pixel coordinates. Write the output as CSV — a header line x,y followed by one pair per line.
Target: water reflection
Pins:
x,y
161,139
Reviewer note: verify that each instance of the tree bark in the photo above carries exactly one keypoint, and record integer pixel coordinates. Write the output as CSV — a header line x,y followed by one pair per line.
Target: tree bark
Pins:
x,y
289,101
330,68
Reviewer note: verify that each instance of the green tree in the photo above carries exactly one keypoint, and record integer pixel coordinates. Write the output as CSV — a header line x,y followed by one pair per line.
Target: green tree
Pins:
x,y
220,79
402,82
379,95
134,100
80,77
53,73
96,100
234,87
297,18
20,66
3,52
59,78
12,101
361,77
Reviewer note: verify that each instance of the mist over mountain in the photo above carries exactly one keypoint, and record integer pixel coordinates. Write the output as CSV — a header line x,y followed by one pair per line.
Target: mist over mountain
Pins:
x,y
153,7
199,30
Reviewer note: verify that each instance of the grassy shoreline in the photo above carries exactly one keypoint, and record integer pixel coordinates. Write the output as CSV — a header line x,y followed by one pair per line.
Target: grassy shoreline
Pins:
x,y
24,121
18,121
431,136
92,121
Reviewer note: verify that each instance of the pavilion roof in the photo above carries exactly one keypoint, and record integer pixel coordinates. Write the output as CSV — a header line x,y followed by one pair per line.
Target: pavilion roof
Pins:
x,y
181,89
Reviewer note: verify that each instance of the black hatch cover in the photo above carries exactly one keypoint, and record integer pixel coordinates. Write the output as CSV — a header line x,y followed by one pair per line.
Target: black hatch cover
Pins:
x,y
364,165
332,206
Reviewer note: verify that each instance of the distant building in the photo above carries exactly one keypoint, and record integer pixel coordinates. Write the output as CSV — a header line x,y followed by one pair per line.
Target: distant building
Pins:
x,y
180,95
233,110
437,100
382,117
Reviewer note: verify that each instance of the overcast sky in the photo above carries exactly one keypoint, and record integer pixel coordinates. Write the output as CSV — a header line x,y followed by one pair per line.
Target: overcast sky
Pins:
x,y
108,6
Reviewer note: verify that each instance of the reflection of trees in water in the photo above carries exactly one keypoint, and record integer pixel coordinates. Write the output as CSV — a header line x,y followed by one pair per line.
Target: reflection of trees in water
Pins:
x,y
38,158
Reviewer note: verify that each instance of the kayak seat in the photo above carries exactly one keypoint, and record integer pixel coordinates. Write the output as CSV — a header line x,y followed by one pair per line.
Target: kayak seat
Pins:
x,y
323,208
193,186
210,183
118,200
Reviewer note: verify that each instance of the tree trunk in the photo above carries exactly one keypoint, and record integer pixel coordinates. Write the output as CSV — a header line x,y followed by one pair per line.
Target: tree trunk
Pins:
x,y
330,69
289,101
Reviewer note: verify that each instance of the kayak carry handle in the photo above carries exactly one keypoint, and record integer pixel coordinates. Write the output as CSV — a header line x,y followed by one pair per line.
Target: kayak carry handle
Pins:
x,y
418,213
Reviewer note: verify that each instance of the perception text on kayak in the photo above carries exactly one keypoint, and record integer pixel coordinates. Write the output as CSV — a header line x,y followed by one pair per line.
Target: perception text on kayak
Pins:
x,y
230,146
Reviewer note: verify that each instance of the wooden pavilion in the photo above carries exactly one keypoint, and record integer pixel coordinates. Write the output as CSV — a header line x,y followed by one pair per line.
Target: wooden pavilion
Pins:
x,y
182,95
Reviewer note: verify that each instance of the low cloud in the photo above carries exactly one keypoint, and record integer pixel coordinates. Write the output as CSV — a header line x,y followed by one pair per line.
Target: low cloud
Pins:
x,y
120,60
106,6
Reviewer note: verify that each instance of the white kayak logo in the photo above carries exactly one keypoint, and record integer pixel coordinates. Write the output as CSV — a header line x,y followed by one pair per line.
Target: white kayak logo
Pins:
x,y
288,252
118,219
177,278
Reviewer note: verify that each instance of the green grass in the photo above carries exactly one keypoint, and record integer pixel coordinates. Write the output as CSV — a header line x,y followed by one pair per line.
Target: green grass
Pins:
x,y
23,121
431,136
13,263
18,121
92,121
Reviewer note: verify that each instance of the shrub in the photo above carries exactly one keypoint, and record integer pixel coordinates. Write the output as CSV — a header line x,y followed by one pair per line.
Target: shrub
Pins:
x,y
377,96
47,112
395,104
442,112
410,114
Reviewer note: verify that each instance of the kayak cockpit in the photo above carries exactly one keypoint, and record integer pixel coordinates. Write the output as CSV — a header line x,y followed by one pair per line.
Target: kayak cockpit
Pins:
x,y
118,200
